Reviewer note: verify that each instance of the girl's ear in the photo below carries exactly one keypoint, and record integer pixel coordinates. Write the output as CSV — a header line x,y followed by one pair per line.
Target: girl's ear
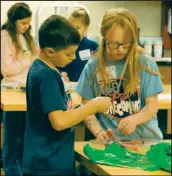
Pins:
x,y
49,52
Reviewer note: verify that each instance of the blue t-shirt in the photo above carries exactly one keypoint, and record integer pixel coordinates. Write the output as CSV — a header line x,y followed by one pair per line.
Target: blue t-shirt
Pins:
x,y
83,53
150,84
46,151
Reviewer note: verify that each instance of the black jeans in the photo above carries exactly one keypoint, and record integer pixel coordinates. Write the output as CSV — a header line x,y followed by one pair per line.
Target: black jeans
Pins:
x,y
12,153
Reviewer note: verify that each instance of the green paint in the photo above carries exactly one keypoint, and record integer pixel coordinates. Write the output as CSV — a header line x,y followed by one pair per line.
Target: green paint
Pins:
x,y
116,155
160,155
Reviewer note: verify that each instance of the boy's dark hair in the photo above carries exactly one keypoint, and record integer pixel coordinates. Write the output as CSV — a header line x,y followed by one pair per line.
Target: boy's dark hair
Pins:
x,y
18,11
58,33
81,12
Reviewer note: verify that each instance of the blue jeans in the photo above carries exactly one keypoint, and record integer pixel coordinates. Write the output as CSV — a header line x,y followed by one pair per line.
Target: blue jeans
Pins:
x,y
12,154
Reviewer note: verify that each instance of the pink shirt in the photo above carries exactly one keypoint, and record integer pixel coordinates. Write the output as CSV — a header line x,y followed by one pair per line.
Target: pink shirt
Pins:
x,y
14,69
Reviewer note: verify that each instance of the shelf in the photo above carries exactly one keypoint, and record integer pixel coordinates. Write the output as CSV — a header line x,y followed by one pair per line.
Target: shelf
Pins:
x,y
165,11
164,59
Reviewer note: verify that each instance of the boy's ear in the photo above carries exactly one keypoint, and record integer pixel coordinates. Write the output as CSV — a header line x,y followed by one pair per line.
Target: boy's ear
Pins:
x,y
49,52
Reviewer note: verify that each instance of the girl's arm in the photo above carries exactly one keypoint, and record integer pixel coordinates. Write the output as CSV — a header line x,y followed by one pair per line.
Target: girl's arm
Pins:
x,y
129,124
94,126
91,121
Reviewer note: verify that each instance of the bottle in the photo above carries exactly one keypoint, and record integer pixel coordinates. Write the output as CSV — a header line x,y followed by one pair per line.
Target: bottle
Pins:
x,y
148,47
158,49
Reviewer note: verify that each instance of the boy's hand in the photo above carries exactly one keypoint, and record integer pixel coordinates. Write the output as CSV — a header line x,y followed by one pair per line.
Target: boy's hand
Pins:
x,y
127,125
102,104
65,76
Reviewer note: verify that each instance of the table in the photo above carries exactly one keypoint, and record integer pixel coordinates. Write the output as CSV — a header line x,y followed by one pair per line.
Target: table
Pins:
x,y
15,100
107,170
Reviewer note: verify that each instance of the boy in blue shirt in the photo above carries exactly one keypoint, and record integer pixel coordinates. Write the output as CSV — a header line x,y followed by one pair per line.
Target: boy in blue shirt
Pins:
x,y
49,133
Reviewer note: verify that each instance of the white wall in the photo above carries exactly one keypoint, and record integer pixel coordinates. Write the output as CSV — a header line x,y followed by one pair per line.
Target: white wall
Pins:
x,y
148,14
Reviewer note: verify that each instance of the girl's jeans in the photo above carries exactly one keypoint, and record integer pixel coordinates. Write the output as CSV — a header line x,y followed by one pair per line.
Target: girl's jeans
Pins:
x,y
12,153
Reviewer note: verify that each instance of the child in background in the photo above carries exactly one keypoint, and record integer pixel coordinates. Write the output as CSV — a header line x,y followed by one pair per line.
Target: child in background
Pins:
x,y
122,71
17,44
81,21
49,134
17,53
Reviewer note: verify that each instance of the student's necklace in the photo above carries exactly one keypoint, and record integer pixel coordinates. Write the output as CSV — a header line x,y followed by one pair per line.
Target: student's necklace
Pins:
x,y
49,64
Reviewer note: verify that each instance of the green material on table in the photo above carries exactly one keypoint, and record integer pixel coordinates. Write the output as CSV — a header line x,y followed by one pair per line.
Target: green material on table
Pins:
x,y
116,155
160,155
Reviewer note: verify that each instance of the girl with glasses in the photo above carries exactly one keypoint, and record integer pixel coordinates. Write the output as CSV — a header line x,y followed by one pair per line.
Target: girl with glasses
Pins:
x,y
122,71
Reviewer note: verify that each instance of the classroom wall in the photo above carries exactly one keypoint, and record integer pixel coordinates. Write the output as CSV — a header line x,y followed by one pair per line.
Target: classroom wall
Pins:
x,y
148,14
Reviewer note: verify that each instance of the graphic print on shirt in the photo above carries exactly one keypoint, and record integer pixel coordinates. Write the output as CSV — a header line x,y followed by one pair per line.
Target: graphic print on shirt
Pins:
x,y
69,102
121,105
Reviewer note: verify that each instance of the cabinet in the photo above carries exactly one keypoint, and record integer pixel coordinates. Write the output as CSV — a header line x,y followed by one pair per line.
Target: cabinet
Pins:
x,y
166,6
165,71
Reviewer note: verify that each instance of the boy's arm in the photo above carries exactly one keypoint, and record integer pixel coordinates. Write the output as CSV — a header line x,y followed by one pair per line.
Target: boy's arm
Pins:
x,y
61,120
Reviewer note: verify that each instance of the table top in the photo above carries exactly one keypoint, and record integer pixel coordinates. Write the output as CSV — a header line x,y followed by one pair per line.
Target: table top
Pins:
x,y
15,100
107,170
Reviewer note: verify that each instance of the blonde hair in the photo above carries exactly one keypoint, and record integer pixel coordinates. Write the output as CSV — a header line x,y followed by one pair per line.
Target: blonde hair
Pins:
x,y
81,12
123,18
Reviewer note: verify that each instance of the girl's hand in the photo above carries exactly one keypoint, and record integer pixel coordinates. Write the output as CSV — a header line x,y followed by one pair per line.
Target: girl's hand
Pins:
x,y
127,125
105,136
110,133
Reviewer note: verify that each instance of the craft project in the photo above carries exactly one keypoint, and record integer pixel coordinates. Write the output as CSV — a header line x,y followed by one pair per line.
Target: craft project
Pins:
x,y
117,155
160,155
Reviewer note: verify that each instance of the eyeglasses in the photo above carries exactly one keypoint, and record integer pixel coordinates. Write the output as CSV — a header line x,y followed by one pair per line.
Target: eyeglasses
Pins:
x,y
116,45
